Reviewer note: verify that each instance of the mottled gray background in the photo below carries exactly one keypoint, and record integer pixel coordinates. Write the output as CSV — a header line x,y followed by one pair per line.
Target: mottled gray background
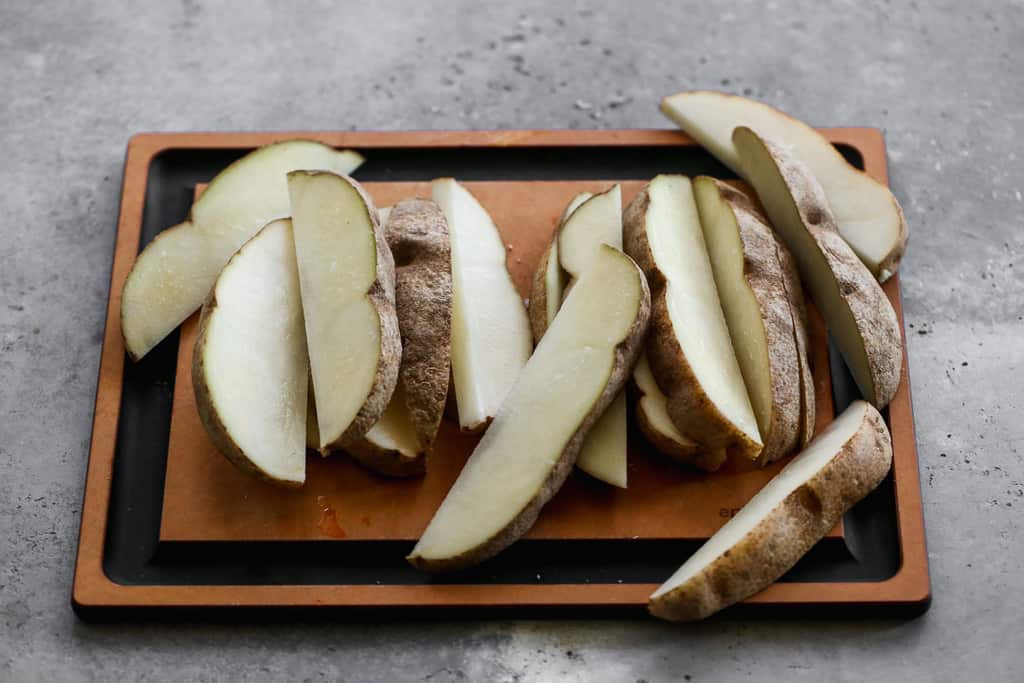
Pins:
x,y
942,78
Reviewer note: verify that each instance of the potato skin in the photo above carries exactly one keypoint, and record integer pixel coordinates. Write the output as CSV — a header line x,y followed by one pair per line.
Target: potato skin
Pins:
x,y
387,461
538,308
626,354
382,295
798,308
417,234
692,454
873,314
689,407
787,532
764,275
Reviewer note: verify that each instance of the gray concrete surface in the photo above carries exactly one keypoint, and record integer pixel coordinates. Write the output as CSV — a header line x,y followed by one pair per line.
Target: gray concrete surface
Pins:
x,y
942,79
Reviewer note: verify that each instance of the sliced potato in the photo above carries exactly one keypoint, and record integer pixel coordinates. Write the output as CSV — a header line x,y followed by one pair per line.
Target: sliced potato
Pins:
x,y
549,279
751,284
605,451
784,520
347,278
595,221
798,308
392,446
249,365
528,451
867,214
174,273
588,222
856,310
655,424
689,348
397,445
490,330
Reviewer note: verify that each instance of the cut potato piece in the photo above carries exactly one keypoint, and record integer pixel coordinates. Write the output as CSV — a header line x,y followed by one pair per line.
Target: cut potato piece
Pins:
x,y
596,221
867,214
784,520
653,420
528,451
397,445
605,451
798,307
490,330
588,222
591,223
174,273
392,447
856,310
249,366
347,279
689,348
549,278
751,285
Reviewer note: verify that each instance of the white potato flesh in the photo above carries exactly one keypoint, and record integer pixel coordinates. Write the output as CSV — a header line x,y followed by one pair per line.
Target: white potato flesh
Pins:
x,y
654,404
337,260
254,355
554,276
593,220
174,273
491,338
801,468
596,221
740,306
604,454
676,240
868,215
395,431
556,390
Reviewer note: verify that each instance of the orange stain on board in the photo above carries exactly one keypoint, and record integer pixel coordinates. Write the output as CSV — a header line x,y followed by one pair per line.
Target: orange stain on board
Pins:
x,y
328,524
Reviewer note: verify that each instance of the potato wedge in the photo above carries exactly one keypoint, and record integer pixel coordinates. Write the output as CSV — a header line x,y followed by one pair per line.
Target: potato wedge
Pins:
x,y
528,451
249,364
549,279
751,284
856,310
392,446
798,307
347,282
417,234
867,214
490,330
174,273
689,348
784,520
588,222
654,423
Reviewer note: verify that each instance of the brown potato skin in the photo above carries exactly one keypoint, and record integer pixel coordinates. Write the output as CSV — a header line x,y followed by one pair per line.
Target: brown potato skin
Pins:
x,y
382,295
874,316
787,532
208,415
764,276
538,308
417,234
626,354
689,453
798,307
689,407
387,461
